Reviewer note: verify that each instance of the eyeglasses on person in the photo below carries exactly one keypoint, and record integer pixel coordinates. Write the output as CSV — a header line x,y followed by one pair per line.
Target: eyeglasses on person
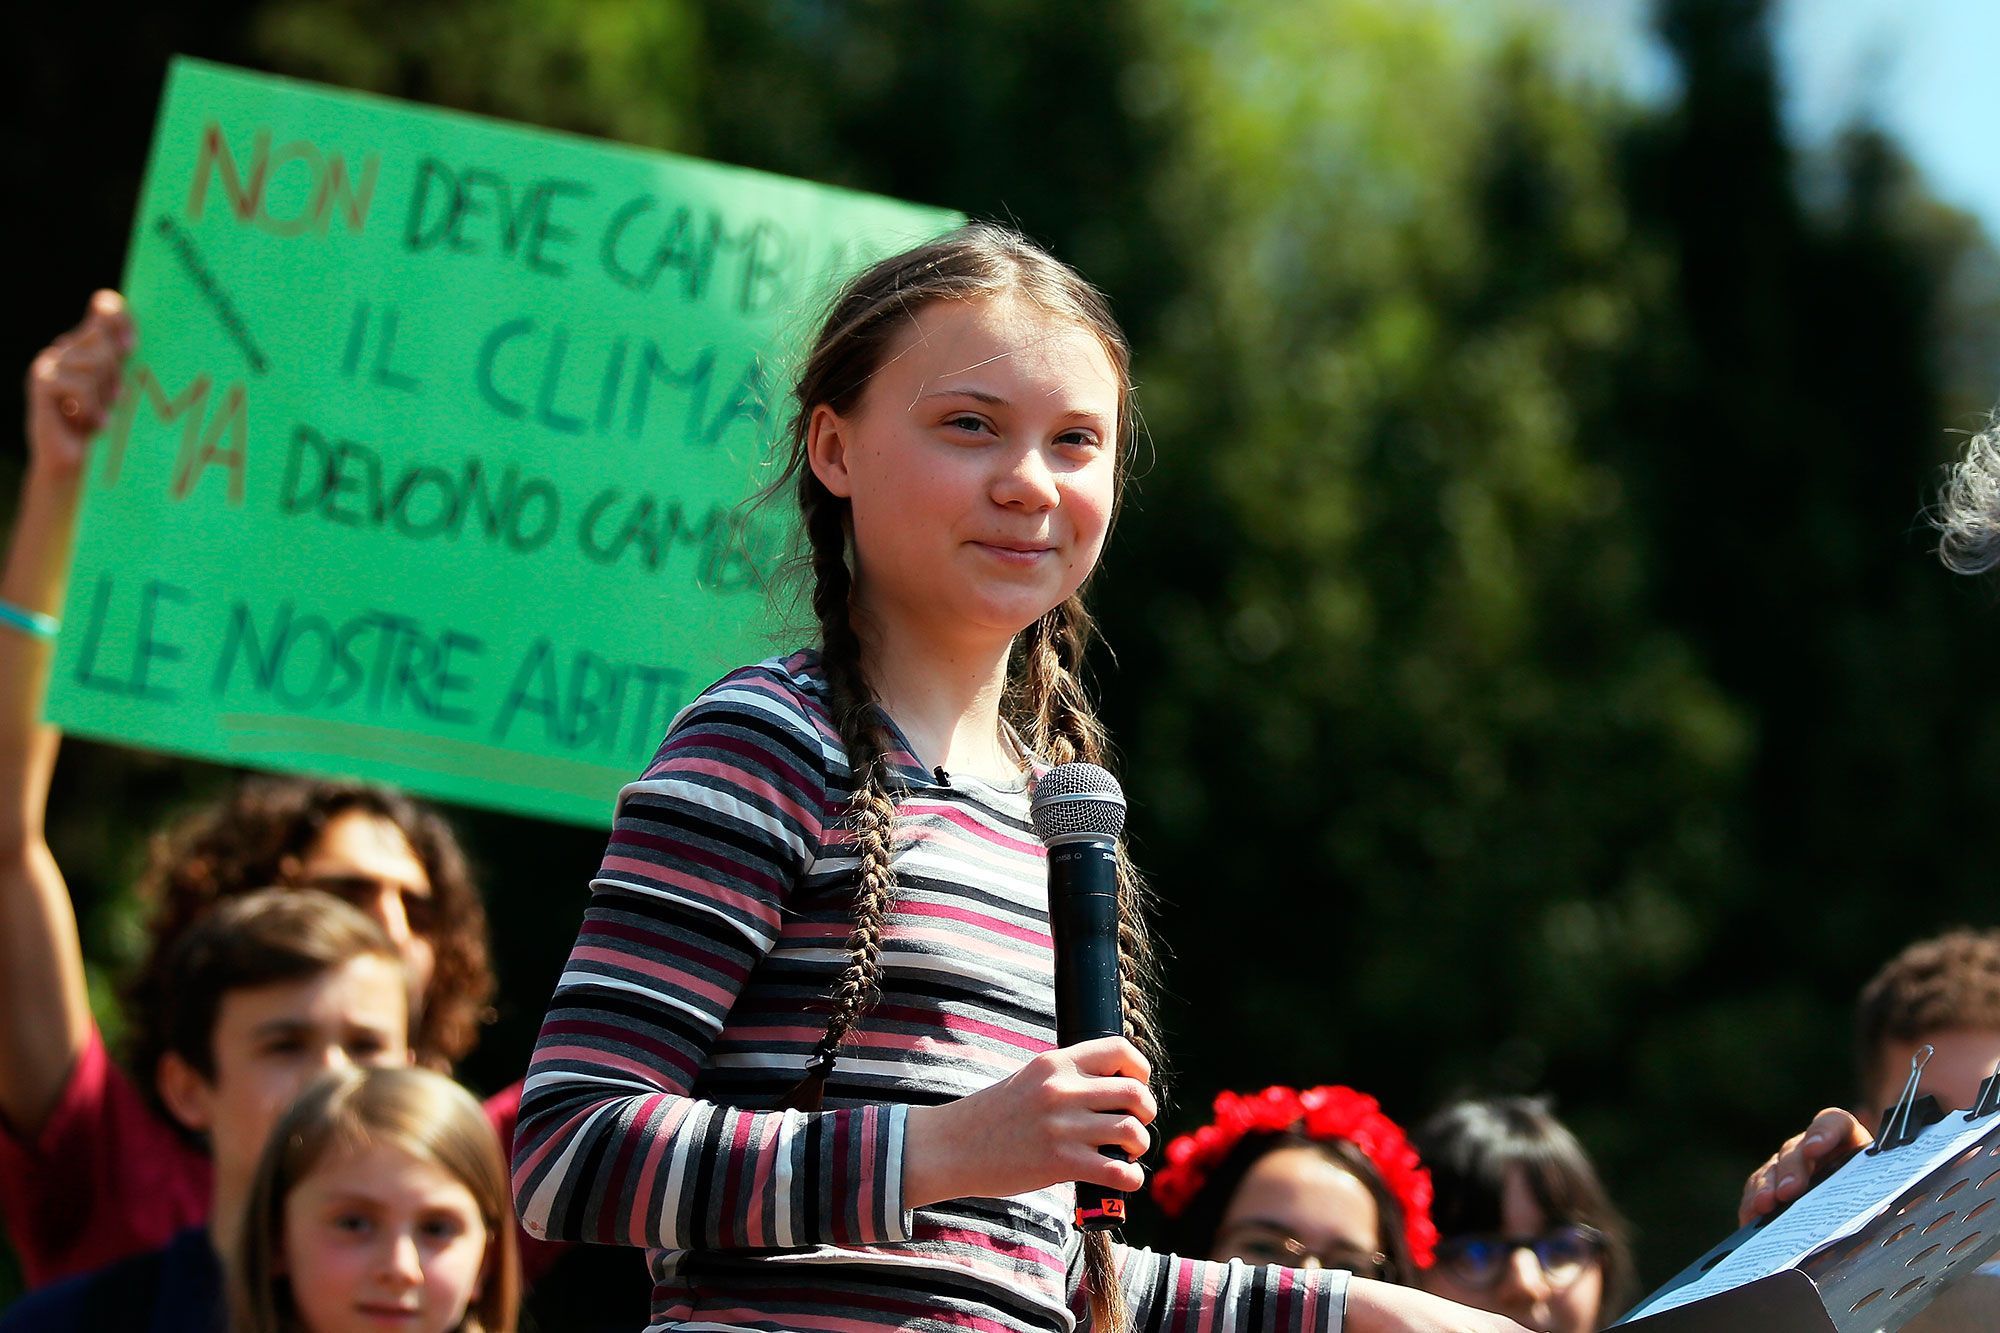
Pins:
x,y
1268,1245
1481,1260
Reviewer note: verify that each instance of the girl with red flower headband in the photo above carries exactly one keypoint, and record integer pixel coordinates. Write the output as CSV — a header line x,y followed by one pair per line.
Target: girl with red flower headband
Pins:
x,y
1319,1178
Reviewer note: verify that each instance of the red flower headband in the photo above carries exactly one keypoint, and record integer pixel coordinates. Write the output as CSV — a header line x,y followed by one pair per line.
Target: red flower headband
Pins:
x,y
1324,1113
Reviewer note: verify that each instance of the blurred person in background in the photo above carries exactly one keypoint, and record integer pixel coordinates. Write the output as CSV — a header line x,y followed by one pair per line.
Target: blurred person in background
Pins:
x,y
381,1201
1942,992
395,859
260,997
1525,1227
1312,1179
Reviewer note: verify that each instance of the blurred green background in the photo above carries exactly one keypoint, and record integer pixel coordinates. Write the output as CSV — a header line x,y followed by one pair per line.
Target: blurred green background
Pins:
x,y
1529,668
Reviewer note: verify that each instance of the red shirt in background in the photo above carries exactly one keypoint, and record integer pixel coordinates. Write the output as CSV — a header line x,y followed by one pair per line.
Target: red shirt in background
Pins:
x,y
107,1177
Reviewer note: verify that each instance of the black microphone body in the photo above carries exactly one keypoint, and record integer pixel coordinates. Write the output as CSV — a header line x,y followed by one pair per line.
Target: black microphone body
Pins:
x,y
1083,915
1081,829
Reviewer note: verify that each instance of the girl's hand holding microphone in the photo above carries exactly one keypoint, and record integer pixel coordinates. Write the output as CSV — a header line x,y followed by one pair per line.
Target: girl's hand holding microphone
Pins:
x,y
1042,1125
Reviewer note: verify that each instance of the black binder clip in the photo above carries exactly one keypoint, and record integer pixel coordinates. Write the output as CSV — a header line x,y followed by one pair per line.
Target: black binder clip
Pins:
x,y
1911,1115
1989,1097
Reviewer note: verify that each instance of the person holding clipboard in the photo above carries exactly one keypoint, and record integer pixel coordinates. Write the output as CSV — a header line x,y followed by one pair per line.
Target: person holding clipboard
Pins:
x,y
1937,992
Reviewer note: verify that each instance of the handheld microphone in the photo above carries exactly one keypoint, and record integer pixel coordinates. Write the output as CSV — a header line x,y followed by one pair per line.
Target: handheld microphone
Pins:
x,y
1079,812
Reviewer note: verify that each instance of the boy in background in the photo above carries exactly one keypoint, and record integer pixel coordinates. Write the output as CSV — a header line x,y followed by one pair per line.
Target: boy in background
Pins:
x,y
270,990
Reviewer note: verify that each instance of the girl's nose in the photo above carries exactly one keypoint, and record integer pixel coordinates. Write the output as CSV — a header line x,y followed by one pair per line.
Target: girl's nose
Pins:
x,y
1028,482
403,1266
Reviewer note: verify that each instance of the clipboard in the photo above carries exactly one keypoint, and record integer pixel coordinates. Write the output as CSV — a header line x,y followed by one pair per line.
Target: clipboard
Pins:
x,y
1866,1249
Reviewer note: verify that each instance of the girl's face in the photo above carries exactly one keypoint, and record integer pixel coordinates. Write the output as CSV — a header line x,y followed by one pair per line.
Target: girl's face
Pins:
x,y
380,1239
980,464
1538,1272
1296,1208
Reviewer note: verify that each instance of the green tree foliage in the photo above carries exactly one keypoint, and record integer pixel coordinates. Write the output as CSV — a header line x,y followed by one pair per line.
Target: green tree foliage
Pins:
x,y
1435,799
607,67
1781,429
1529,670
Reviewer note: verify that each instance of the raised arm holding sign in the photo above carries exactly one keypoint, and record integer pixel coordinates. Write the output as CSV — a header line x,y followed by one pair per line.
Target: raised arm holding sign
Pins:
x,y
44,1010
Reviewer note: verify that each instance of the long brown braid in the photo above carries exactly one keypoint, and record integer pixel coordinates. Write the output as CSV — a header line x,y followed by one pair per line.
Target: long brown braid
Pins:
x,y
1046,702
1051,708
871,811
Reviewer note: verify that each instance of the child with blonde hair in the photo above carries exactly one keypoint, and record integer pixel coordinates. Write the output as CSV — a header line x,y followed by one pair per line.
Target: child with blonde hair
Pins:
x,y
381,1201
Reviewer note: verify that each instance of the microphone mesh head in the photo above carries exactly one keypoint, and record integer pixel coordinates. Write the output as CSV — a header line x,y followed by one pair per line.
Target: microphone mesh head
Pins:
x,y
1077,798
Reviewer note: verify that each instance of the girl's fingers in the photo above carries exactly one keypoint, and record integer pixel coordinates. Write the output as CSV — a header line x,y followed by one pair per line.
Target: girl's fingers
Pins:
x,y
1130,1135
1785,1170
1095,1168
1091,1132
1121,1094
1107,1057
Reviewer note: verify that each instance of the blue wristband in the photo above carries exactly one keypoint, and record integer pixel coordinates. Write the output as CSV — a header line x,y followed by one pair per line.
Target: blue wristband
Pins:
x,y
28,622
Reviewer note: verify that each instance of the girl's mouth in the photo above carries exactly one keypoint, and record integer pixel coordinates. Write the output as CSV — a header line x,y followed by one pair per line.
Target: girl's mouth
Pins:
x,y
1015,554
390,1314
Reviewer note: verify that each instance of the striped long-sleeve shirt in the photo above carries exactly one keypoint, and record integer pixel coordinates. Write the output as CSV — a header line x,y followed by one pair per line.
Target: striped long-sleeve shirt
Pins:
x,y
696,989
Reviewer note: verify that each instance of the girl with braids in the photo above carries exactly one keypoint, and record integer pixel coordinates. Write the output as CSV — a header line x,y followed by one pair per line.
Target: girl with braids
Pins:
x,y
804,1048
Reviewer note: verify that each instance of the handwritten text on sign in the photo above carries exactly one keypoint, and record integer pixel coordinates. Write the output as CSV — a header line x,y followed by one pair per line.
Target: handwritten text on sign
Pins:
x,y
430,463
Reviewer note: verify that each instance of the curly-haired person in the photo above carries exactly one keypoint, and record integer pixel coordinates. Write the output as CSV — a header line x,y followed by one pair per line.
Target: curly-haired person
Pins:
x,y
91,1169
1942,992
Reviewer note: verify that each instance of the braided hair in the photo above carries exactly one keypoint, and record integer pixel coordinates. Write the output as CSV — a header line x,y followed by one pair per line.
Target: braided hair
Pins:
x,y
1045,701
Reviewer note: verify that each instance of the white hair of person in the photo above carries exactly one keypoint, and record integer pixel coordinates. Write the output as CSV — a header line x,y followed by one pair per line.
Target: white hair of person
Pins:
x,y
1968,512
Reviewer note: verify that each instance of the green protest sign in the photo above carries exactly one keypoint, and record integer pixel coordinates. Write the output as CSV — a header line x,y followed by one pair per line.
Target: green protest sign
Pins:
x,y
430,459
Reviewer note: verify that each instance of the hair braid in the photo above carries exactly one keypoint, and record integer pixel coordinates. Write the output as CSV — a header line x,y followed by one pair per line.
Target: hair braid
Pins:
x,y
1055,710
871,810
1045,702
